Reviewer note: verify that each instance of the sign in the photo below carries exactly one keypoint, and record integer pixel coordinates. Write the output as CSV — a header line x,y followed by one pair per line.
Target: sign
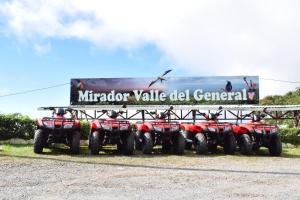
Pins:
x,y
165,91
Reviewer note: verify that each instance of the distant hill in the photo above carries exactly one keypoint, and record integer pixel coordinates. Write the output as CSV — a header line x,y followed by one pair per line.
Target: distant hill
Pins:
x,y
290,98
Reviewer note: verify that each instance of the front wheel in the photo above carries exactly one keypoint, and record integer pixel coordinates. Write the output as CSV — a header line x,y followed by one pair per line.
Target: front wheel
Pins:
x,y
39,141
201,145
138,140
229,143
188,145
179,144
95,142
129,144
245,144
147,145
275,147
75,143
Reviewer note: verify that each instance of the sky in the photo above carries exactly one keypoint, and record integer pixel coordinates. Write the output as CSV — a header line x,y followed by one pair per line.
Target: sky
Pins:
x,y
48,42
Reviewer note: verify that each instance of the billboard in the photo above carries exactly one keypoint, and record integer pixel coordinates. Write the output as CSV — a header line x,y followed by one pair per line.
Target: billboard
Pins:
x,y
165,90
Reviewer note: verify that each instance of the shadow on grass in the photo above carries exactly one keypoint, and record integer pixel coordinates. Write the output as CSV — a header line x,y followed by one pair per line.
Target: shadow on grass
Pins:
x,y
112,153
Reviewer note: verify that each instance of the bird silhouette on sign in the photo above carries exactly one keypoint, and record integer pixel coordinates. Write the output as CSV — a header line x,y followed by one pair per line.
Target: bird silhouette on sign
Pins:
x,y
228,87
81,85
160,78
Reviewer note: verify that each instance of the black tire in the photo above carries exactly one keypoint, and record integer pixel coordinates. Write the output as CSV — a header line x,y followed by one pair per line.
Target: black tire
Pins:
x,y
188,145
275,147
179,144
229,143
255,148
166,147
95,142
39,141
75,143
138,138
212,148
129,144
200,143
245,144
147,146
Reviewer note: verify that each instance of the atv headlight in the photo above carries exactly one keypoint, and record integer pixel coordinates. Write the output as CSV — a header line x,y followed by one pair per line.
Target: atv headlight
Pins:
x,y
66,126
227,129
106,127
49,126
123,128
158,129
258,131
273,130
211,129
175,129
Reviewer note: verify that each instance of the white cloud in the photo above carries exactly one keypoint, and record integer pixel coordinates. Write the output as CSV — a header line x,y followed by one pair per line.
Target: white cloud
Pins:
x,y
42,49
4,91
212,37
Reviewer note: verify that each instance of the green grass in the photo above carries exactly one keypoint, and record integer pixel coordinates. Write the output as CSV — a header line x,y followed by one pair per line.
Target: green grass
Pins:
x,y
110,156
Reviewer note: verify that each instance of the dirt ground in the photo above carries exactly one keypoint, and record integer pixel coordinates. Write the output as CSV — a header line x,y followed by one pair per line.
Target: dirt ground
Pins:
x,y
149,177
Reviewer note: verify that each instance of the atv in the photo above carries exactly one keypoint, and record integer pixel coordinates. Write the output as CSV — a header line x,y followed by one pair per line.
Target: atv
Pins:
x,y
161,131
255,134
57,129
111,131
206,136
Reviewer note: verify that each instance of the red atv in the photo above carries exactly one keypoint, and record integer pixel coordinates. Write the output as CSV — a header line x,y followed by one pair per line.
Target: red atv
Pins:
x,y
255,134
57,129
111,131
159,132
206,136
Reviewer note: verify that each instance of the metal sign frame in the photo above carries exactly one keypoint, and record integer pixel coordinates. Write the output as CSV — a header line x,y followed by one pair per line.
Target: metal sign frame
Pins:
x,y
186,112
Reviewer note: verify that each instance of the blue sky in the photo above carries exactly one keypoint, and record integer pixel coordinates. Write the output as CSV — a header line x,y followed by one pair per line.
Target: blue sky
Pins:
x,y
45,43
22,68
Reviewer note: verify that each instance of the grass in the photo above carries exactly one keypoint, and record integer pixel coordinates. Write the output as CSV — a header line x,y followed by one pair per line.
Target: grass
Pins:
x,y
110,156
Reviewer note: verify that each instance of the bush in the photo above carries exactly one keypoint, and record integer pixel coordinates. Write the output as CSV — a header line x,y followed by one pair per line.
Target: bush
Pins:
x,y
85,128
16,126
290,135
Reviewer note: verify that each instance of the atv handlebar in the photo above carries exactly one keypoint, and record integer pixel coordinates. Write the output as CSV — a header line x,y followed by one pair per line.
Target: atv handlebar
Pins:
x,y
166,112
216,115
258,116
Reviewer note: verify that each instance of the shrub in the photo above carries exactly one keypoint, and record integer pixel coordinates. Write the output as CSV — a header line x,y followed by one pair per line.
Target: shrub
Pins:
x,y
290,135
16,126
85,128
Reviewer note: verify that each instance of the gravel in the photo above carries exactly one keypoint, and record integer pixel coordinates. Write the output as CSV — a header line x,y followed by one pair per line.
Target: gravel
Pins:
x,y
207,177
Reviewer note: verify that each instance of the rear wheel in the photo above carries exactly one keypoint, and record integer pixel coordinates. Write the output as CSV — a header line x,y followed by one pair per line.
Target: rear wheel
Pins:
x,y
275,147
188,145
95,142
129,144
147,145
179,144
245,144
75,143
39,141
212,148
166,147
229,143
201,145
138,142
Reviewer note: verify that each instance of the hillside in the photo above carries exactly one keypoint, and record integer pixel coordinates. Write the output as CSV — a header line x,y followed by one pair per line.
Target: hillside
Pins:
x,y
290,98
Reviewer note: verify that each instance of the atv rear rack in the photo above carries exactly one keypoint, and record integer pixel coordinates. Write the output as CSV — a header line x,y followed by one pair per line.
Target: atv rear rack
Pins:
x,y
185,112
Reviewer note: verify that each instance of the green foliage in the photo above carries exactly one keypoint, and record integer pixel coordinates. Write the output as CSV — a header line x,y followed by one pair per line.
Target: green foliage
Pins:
x,y
290,135
85,129
16,126
290,98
